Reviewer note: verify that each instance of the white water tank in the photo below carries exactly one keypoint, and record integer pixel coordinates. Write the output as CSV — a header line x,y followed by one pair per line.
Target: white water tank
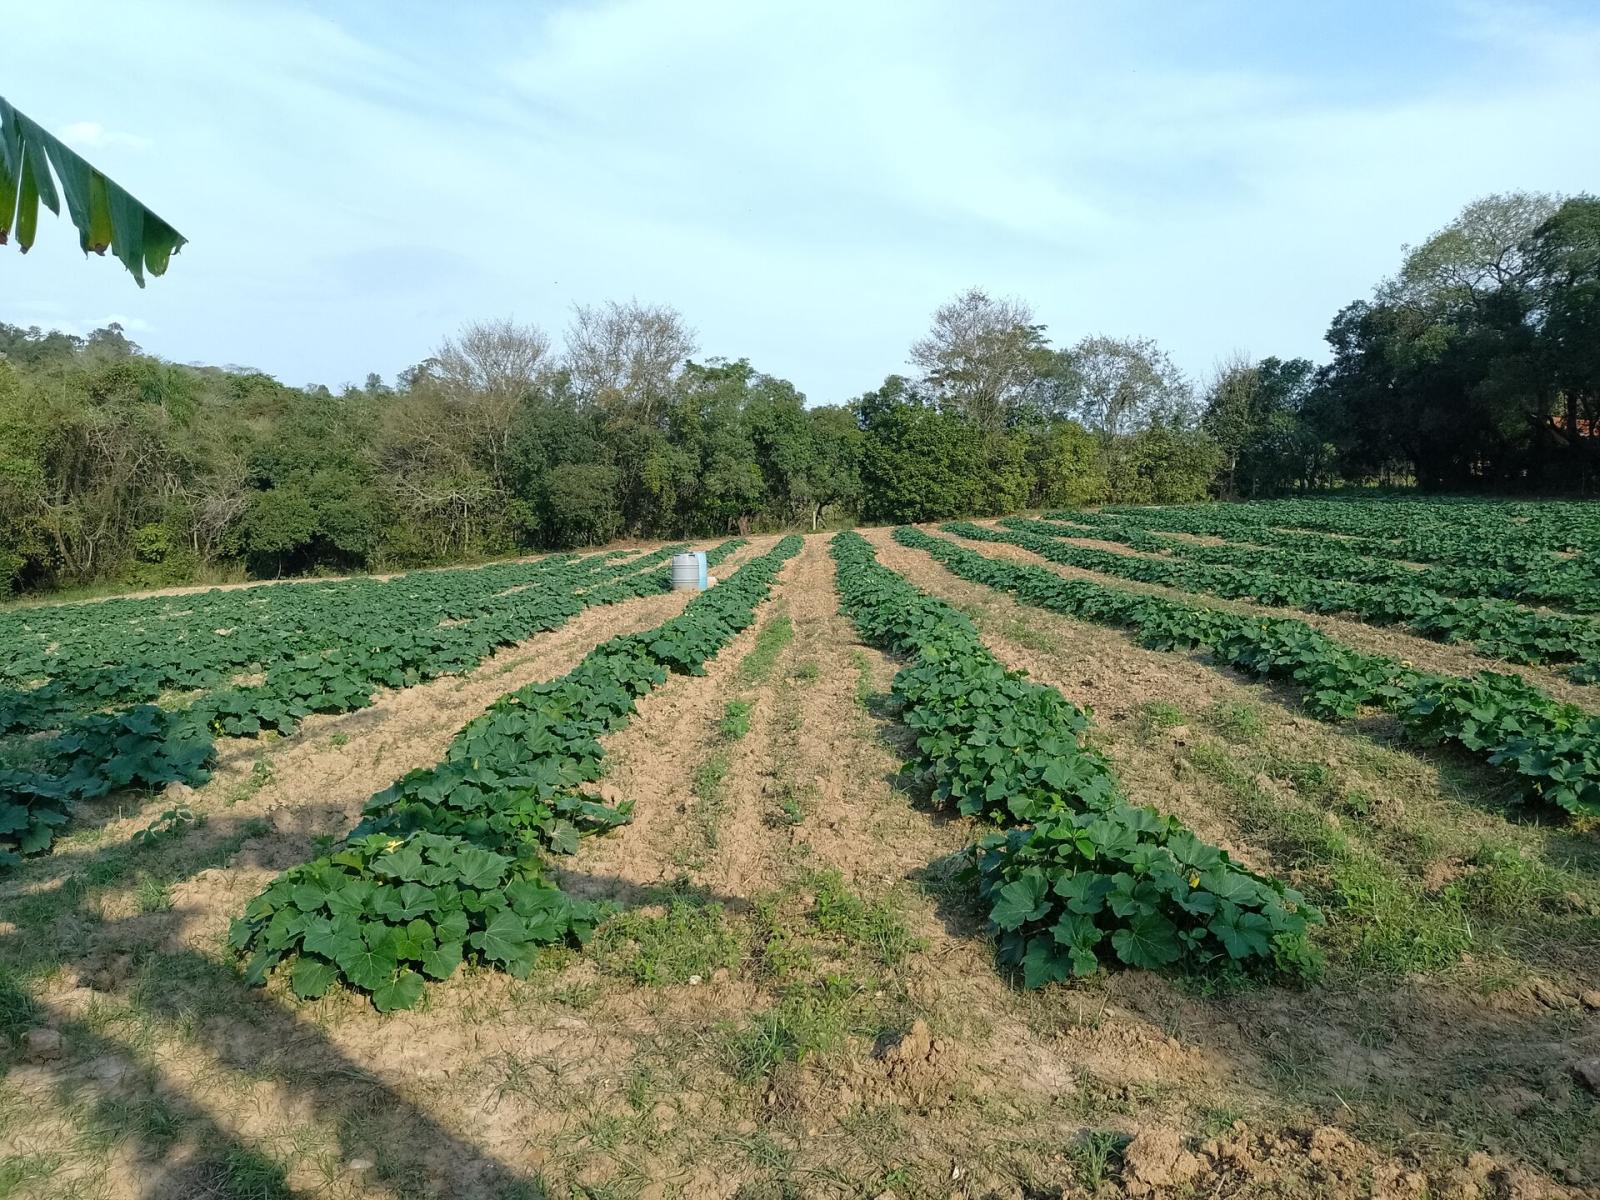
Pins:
x,y
686,572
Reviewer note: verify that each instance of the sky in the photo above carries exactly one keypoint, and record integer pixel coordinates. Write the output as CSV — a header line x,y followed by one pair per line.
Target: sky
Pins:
x,y
804,181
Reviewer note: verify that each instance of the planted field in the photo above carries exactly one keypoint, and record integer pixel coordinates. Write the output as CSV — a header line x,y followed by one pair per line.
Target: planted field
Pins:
x,y
1227,850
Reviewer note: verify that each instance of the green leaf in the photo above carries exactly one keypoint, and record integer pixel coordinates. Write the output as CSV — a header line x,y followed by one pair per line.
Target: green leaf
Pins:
x,y
312,977
403,991
368,967
333,937
1021,900
1243,933
501,939
404,863
452,927
1044,963
441,962
1149,941
104,214
27,206
480,868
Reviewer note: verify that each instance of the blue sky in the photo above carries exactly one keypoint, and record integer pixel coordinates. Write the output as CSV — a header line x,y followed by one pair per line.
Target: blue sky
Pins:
x,y
804,181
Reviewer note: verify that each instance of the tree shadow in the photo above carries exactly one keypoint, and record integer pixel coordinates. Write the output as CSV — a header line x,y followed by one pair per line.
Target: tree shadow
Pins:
x,y
124,1093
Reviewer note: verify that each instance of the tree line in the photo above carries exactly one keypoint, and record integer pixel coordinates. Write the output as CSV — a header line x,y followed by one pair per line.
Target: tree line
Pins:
x,y
1476,366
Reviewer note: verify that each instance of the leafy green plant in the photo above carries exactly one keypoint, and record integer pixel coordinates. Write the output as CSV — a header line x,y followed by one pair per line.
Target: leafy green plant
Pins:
x,y
1497,628
106,216
449,863
735,720
60,666
1082,875
173,823
1549,747
383,913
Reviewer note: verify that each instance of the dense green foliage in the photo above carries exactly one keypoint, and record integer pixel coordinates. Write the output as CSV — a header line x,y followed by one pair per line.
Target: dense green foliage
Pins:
x,y
317,647
1080,874
117,466
1552,749
1477,366
449,864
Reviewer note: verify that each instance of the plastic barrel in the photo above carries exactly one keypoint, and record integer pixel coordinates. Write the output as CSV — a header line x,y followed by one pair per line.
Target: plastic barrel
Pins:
x,y
700,557
686,570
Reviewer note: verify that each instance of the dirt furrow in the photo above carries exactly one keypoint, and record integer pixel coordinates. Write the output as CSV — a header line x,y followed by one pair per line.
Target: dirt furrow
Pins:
x,y
657,762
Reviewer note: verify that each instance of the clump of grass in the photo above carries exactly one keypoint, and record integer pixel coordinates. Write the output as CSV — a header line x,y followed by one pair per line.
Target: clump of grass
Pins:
x,y
807,672
809,1018
1156,715
789,805
152,896
1311,779
776,955
260,775
735,721
874,926
690,938
864,688
1238,722
707,783
1094,1154
775,635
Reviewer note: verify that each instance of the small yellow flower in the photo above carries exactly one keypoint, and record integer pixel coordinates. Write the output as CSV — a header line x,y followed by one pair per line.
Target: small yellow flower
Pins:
x,y
392,843
1194,880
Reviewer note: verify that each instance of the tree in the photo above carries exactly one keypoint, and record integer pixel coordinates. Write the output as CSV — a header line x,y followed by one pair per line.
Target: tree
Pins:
x,y
1164,463
106,216
983,358
1066,468
832,473
580,502
625,358
1253,414
484,375
918,463
1481,253
1114,386
1564,256
1233,413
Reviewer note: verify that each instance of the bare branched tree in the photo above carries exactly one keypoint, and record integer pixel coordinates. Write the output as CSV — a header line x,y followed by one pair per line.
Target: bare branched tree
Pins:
x,y
1115,386
624,358
484,374
983,356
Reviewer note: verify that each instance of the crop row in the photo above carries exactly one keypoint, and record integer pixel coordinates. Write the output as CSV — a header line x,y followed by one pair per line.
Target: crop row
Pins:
x,y
1550,582
1494,628
1464,540
450,864
69,660
1080,874
1542,525
150,746
1551,749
